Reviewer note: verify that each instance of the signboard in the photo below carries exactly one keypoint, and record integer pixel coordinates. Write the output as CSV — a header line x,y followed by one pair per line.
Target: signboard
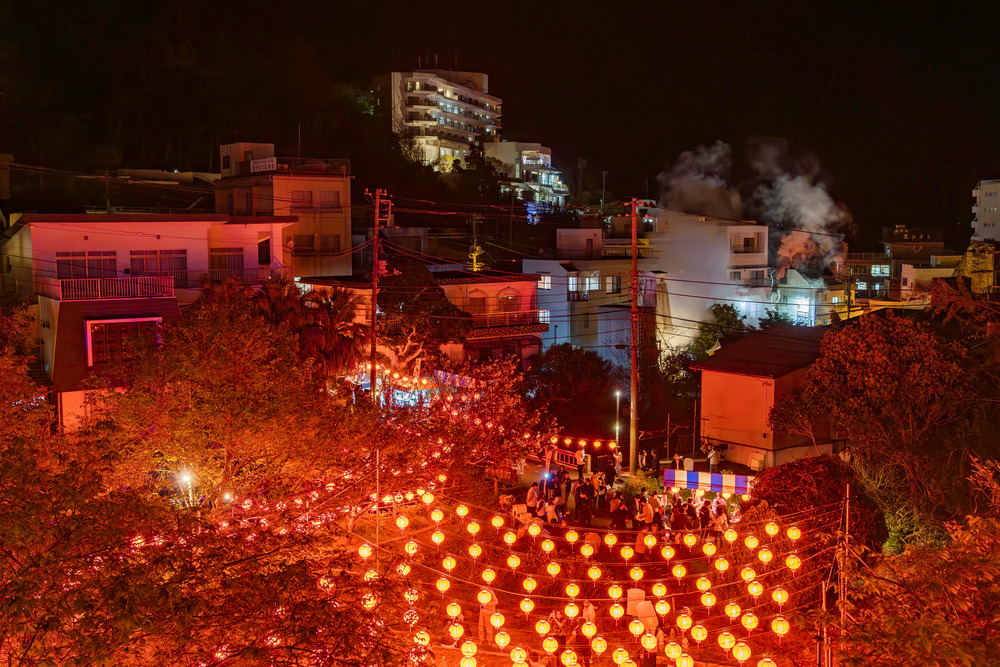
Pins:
x,y
263,164
709,481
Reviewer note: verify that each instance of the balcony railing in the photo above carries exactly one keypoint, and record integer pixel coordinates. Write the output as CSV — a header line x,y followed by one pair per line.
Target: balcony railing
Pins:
x,y
740,249
95,289
577,296
505,319
333,167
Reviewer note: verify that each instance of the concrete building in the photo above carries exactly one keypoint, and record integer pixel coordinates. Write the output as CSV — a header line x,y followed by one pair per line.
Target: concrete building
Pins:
x,y
529,168
986,211
316,191
95,280
444,113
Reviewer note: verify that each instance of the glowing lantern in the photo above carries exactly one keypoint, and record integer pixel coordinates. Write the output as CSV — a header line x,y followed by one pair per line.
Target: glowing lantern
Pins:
x,y
730,536
620,655
428,498
616,611
411,548
436,515
569,658
771,528
708,599
732,611
703,583
484,596
748,574
475,551
751,542
741,652
779,595
529,584
469,648
599,644
636,573
365,551
586,550
518,655
755,588
513,561
765,555
553,568
684,620
614,591
371,575
497,620
627,552
497,521
793,533
749,621
527,605
455,631
489,575
402,522
648,642
721,564
571,610
610,540
403,569
662,607
673,650
793,562
588,629
534,529
572,590
467,661
572,536
690,539
709,549
668,552
674,490
369,601
473,528
659,589
649,540
462,511
542,628
678,571
727,641
510,537
548,546
550,644
684,660
437,537
449,563
699,633
422,637
411,595
502,639
453,609
766,662
636,627
443,585
594,572
780,626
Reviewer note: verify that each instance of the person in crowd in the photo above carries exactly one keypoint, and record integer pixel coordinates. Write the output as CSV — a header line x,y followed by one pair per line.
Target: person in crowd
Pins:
x,y
720,523
713,459
486,630
532,500
618,463
705,519
645,515
581,461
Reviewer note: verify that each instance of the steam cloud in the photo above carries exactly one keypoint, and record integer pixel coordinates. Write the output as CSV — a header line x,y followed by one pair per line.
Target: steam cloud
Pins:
x,y
782,188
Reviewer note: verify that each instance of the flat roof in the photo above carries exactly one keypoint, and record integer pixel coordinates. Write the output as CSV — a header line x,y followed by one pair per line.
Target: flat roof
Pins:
x,y
770,353
225,218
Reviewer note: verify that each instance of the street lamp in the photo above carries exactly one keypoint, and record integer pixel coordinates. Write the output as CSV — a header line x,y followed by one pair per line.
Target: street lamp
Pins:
x,y
618,412
186,479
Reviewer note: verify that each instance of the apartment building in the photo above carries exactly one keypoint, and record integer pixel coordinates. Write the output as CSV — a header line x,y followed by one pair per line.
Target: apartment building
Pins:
x,y
986,211
96,280
529,168
445,113
316,191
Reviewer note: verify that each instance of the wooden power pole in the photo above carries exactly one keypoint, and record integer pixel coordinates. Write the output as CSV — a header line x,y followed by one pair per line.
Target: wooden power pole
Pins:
x,y
383,212
633,433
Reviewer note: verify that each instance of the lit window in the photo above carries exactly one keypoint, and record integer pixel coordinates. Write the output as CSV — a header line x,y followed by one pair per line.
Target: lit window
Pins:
x,y
543,316
594,282
862,285
108,340
614,284
545,282
835,300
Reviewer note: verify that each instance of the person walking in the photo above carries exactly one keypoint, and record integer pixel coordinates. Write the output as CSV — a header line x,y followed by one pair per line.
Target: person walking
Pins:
x,y
713,459
581,461
618,464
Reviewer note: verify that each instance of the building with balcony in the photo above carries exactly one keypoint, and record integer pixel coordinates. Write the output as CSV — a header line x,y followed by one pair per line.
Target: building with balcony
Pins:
x,y
445,113
529,168
95,281
316,191
986,211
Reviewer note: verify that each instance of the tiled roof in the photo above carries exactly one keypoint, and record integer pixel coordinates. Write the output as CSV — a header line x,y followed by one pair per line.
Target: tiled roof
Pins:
x,y
770,353
472,278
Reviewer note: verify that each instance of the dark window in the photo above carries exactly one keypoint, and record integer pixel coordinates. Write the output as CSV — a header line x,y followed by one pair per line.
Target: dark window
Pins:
x,y
329,199
303,244
160,263
225,262
329,243
225,162
302,199
116,340
71,265
102,264
264,252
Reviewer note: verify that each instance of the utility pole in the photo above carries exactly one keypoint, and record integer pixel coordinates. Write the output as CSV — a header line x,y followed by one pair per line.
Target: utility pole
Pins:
x,y
633,435
377,201
604,180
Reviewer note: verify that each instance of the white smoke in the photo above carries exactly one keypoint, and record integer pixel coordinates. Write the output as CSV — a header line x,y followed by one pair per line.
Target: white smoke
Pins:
x,y
787,190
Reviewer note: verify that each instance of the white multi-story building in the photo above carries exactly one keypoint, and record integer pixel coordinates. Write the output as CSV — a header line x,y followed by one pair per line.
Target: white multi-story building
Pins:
x,y
529,167
986,212
444,112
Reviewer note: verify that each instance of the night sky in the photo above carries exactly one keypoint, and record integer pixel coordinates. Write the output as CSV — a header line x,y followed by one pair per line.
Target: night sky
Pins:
x,y
899,100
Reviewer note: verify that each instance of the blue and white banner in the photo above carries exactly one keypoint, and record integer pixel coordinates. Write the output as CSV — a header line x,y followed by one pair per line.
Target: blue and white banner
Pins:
x,y
709,481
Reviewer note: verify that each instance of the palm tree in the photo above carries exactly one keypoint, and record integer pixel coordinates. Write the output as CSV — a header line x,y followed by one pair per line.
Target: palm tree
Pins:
x,y
331,336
